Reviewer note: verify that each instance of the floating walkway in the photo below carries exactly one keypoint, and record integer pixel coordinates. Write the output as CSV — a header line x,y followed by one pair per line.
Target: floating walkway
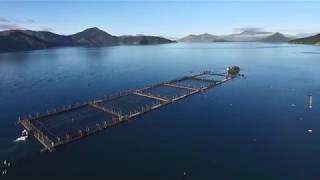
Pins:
x,y
70,123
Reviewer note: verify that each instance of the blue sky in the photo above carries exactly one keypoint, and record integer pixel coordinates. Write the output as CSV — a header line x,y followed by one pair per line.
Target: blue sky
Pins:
x,y
166,18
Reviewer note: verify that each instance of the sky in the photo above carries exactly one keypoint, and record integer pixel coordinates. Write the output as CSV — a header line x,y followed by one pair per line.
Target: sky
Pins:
x,y
169,18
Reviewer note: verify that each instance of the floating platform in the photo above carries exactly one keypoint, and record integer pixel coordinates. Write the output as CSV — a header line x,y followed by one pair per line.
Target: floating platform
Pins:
x,y
67,124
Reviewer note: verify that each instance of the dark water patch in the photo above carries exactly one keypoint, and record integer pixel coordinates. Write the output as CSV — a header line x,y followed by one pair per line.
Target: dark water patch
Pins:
x,y
311,53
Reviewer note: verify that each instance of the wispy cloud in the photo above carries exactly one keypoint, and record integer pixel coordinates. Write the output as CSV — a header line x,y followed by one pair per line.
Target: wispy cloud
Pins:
x,y
253,29
30,20
9,26
3,19
12,20
9,23
27,23
45,28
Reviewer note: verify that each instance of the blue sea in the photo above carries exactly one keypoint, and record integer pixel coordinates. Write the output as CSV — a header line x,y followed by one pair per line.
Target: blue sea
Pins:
x,y
254,127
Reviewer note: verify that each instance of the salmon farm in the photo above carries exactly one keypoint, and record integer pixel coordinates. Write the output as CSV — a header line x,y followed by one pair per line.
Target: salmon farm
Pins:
x,y
70,123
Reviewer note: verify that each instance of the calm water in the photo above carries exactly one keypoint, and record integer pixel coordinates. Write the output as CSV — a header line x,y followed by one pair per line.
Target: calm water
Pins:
x,y
252,128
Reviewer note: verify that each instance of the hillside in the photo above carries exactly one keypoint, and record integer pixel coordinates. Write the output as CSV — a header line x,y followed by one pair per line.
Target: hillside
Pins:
x,y
56,39
276,38
200,38
94,37
142,40
19,41
308,40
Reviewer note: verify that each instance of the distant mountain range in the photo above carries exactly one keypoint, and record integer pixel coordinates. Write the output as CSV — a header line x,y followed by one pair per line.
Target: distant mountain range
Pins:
x,y
245,36
21,40
307,40
201,38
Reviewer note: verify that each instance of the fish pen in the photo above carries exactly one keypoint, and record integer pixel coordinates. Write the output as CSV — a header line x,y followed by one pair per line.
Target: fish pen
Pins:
x,y
62,126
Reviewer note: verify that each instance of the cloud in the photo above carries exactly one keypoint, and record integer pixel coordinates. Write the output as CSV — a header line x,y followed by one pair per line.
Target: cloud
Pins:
x,y
12,20
9,26
30,20
252,29
3,19
45,28
11,23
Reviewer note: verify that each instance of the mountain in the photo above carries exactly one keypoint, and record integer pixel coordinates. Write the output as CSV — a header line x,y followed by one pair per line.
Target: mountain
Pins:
x,y
14,40
275,38
55,39
304,35
142,40
21,40
308,40
200,38
244,36
94,37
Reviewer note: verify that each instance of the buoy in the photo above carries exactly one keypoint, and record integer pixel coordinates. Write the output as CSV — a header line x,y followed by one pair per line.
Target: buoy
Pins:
x,y
310,102
4,171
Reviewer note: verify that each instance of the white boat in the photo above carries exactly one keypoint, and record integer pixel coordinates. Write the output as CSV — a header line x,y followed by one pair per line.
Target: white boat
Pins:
x,y
22,138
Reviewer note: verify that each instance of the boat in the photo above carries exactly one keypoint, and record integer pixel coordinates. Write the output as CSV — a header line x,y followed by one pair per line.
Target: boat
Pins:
x,y
23,137
233,70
